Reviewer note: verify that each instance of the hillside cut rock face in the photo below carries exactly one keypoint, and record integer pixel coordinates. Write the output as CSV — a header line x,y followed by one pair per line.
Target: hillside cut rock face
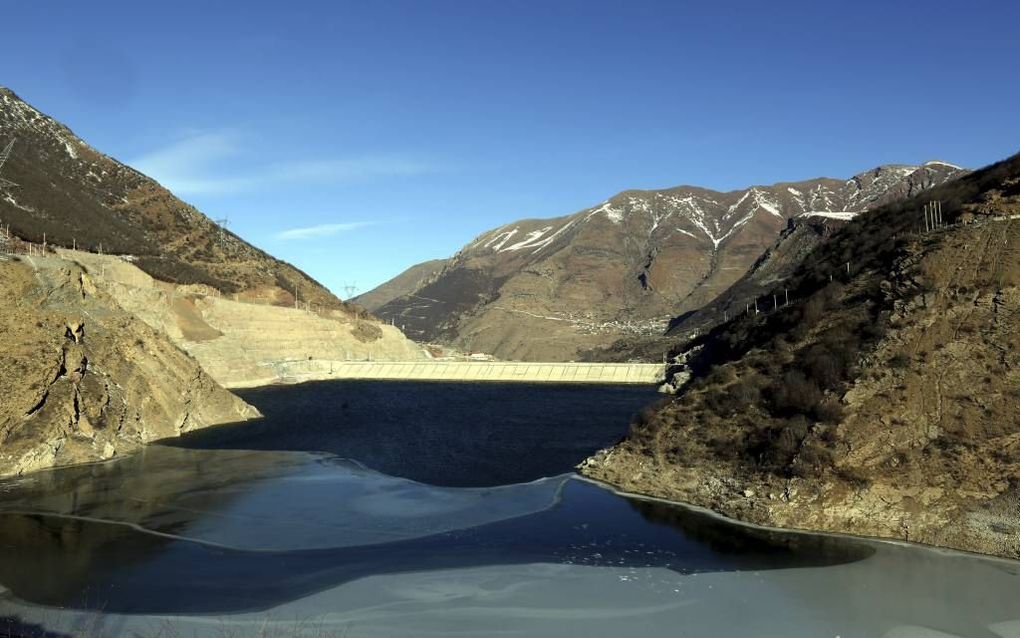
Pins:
x,y
84,380
240,343
885,402
550,289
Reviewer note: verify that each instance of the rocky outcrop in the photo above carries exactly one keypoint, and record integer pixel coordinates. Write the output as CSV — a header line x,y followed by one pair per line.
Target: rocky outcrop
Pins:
x,y
552,289
885,402
85,380
241,343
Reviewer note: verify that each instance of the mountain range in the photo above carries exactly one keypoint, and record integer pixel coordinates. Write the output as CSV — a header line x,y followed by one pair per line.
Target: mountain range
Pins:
x,y
569,287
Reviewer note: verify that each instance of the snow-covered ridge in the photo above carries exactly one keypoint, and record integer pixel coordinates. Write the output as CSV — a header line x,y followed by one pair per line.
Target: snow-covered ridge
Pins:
x,y
692,213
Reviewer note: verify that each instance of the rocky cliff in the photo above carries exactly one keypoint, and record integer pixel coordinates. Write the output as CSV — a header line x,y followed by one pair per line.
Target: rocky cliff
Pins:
x,y
552,289
85,380
884,400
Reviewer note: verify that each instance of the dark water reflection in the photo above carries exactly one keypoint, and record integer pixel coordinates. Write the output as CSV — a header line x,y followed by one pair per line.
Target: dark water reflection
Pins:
x,y
204,529
454,434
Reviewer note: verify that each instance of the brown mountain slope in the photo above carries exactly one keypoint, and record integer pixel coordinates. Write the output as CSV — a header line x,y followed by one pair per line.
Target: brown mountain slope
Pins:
x,y
755,289
885,402
550,289
802,235
403,284
75,195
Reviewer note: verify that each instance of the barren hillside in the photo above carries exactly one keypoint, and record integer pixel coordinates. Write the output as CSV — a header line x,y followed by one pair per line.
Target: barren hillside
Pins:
x,y
883,402
77,196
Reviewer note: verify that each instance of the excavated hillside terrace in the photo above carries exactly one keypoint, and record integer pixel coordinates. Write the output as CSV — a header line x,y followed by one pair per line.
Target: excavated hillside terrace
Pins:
x,y
240,343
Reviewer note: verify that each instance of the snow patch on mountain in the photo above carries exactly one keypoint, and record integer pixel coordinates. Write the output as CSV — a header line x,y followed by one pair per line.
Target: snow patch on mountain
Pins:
x,y
819,198
798,196
843,215
499,239
548,240
941,163
528,240
70,149
763,201
615,215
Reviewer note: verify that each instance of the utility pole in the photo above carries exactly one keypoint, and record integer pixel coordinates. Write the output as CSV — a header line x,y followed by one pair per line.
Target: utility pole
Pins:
x,y
787,291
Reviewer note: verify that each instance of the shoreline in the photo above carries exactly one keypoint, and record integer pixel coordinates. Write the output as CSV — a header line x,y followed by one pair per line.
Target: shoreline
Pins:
x,y
1014,563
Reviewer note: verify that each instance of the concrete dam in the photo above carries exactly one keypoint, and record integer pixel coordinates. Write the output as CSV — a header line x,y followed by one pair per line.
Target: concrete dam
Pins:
x,y
296,371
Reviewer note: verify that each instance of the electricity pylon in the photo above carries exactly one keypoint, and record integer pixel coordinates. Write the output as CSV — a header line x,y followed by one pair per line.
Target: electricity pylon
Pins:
x,y
6,183
222,224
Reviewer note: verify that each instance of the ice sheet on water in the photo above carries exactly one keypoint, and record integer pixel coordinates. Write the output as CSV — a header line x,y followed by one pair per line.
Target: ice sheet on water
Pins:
x,y
870,598
268,500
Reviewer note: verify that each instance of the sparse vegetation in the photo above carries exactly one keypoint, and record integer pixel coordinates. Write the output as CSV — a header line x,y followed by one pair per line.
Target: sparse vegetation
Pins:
x,y
899,374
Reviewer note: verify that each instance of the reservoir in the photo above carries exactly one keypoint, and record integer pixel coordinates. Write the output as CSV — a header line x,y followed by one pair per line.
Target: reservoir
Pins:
x,y
384,508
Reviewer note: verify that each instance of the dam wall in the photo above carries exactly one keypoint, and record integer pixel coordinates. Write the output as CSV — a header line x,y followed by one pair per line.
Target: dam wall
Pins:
x,y
502,371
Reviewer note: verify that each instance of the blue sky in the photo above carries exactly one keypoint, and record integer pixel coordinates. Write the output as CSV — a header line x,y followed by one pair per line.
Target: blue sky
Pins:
x,y
357,138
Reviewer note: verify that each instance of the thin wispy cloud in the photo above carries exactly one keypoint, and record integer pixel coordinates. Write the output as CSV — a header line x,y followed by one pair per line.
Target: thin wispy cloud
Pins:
x,y
321,230
187,166
205,164
363,167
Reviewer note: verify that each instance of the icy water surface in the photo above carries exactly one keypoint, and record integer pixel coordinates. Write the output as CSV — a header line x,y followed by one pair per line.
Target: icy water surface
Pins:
x,y
182,541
